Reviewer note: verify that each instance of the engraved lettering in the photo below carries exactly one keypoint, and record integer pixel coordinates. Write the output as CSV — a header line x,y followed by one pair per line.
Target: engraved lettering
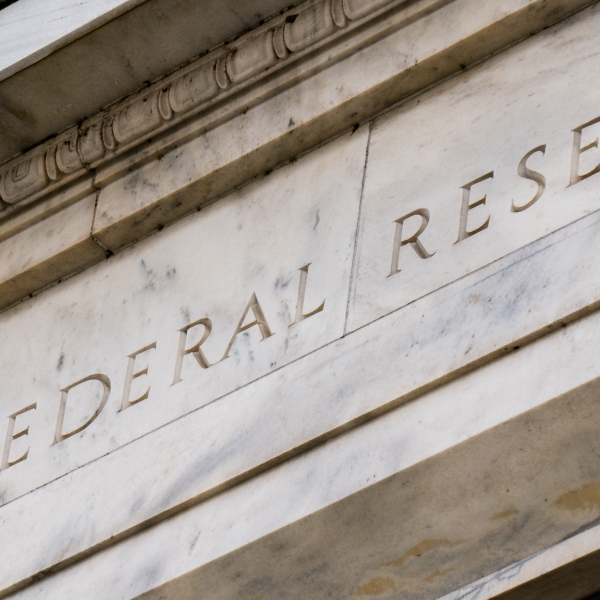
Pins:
x,y
259,319
578,151
527,173
130,376
194,350
300,316
463,233
11,435
59,436
413,240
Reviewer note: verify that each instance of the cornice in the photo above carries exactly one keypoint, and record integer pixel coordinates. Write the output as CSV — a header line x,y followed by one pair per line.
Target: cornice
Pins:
x,y
192,90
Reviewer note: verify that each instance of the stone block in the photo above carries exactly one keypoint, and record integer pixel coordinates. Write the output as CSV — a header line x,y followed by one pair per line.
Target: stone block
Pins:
x,y
478,167
56,247
277,253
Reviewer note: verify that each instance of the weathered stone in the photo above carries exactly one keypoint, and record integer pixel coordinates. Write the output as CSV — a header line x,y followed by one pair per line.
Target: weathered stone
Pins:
x,y
360,361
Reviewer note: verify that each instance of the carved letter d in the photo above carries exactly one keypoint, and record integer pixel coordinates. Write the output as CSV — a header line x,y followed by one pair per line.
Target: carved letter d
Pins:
x,y
59,436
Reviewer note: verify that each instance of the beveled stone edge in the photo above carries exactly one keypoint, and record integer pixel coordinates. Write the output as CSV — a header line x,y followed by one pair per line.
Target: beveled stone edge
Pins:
x,y
193,89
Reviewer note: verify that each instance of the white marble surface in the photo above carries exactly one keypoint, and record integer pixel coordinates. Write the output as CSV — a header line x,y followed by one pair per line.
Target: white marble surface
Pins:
x,y
483,121
37,252
46,239
391,361
201,444
206,266
416,433
33,29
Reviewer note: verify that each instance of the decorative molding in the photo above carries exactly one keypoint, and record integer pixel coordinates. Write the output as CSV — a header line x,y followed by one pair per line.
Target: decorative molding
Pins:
x,y
190,90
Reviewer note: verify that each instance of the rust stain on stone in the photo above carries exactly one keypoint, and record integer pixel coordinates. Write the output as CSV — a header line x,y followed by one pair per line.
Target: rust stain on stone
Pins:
x,y
504,515
376,587
422,548
438,574
585,498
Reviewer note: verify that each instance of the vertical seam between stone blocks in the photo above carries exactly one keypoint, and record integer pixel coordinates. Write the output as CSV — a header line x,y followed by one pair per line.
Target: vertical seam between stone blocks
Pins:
x,y
92,172
107,252
356,234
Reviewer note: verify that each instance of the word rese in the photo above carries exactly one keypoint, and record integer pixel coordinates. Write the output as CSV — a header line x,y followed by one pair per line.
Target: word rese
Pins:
x,y
467,204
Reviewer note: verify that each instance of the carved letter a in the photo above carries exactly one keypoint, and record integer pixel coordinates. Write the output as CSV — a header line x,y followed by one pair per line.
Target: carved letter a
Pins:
x,y
259,319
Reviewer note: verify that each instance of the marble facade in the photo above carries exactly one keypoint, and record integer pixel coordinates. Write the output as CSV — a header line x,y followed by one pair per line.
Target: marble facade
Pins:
x,y
311,314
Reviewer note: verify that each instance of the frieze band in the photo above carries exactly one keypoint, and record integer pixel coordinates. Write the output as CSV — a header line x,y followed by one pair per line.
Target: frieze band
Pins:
x,y
253,307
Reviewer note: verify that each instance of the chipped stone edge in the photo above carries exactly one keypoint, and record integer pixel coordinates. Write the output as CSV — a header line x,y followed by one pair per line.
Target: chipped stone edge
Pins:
x,y
548,573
